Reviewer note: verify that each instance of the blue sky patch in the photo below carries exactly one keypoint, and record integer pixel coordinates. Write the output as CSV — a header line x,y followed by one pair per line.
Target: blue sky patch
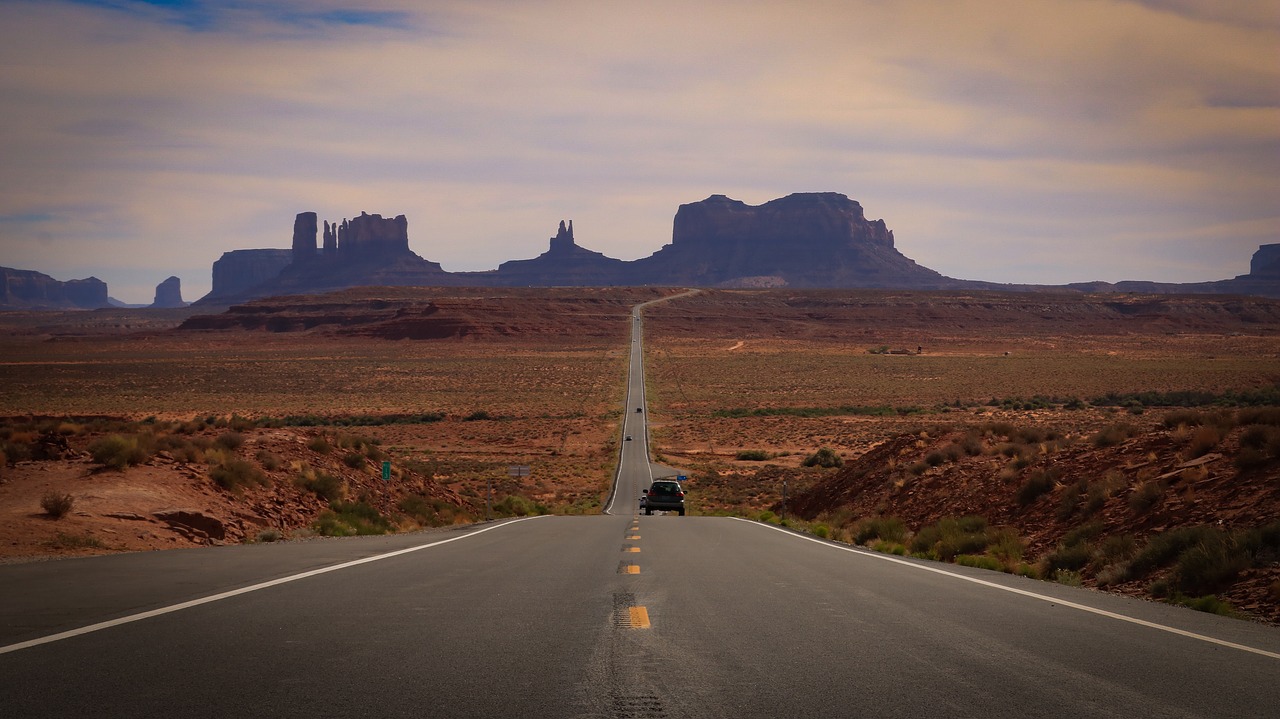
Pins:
x,y
212,15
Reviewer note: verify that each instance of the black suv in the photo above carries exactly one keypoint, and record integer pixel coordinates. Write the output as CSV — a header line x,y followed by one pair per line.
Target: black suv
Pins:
x,y
664,494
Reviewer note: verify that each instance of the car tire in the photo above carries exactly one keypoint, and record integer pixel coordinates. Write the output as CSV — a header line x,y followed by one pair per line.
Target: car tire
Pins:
x,y
648,512
682,513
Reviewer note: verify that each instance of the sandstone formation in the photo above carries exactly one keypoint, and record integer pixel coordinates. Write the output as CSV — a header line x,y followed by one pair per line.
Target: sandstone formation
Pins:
x,y
304,236
27,289
803,240
1262,280
820,239
1265,262
564,264
169,294
238,273
366,250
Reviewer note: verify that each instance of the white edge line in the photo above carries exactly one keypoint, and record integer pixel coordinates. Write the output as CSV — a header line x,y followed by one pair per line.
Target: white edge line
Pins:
x,y
1023,592
236,592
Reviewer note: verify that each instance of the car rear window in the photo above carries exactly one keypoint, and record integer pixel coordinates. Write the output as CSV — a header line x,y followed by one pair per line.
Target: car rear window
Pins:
x,y
665,488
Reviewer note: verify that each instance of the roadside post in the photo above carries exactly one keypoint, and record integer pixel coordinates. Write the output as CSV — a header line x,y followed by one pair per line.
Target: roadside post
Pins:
x,y
515,470
784,500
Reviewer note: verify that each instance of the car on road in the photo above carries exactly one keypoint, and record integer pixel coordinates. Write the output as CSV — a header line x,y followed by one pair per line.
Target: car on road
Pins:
x,y
628,438
665,495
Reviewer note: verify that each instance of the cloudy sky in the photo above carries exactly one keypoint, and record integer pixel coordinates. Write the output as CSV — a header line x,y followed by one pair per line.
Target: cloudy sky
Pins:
x,y
1041,141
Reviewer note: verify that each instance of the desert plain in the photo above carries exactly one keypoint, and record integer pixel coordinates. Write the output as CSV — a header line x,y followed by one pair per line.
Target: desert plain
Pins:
x,y
1061,436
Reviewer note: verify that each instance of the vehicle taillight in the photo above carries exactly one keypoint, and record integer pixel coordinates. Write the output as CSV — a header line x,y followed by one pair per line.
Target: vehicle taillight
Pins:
x,y
680,495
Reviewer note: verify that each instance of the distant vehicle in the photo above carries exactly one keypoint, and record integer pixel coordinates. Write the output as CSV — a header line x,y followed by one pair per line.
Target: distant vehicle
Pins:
x,y
639,409
665,495
628,438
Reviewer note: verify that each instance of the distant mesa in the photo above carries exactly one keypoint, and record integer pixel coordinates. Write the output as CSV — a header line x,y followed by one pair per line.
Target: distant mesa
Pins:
x,y
819,239
1265,262
803,240
366,250
27,289
564,264
239,272
169,294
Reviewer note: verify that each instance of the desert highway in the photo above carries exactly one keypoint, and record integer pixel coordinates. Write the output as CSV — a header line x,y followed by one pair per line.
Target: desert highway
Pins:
x,y
611,616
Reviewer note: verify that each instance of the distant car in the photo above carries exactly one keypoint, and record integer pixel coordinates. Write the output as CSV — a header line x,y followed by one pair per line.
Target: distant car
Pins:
x,y
628,438
665,495
639,409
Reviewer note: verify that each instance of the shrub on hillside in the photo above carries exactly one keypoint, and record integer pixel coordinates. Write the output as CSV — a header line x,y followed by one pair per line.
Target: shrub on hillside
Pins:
x,y
56,504
752,455
1208,565
516,506
428,512
345,519
235,474
1113,434
1257,436
1145,496
952,536
230,440
890,529
324,485
1038,484
824,457
980,561
117,451
14,451
1164,548
269,460
1204,440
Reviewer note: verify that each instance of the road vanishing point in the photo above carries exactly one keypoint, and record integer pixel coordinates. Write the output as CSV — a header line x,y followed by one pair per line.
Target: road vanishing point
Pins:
x,y
609,616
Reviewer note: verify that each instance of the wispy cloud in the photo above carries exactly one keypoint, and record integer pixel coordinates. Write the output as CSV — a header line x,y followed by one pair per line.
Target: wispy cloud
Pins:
x,y
1037,141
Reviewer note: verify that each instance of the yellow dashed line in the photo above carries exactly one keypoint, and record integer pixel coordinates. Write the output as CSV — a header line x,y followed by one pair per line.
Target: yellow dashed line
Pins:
x,y
631,569
639,617
632,549
634,536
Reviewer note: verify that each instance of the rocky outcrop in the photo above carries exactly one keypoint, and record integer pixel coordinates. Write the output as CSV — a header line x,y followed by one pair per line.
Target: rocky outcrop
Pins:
x,y
27,289
366,250
1265,262
803,240
371,236
239,272
169,294
304,237
194,524
564,264
1263,280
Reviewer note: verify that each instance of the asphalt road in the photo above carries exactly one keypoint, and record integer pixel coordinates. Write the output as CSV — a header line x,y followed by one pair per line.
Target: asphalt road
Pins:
x,y
610,616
